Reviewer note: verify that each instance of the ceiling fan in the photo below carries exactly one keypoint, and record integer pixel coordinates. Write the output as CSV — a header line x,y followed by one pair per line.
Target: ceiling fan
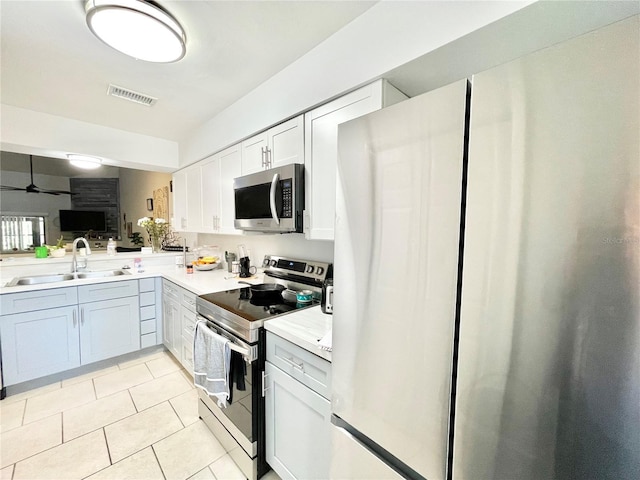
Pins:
x,y
31,188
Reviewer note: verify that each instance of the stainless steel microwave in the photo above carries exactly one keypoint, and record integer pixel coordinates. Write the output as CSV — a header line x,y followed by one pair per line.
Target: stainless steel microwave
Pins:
x,y
271,200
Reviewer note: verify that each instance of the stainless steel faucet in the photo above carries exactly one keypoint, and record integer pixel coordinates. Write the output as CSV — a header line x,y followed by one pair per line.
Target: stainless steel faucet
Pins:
x,y
74,261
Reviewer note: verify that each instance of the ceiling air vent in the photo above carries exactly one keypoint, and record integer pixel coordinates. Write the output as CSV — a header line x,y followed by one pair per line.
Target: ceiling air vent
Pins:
x,y
130,95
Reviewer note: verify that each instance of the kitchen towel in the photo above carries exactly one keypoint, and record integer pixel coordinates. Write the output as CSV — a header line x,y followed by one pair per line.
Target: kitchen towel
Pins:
x,y
325,342
211,362
237,371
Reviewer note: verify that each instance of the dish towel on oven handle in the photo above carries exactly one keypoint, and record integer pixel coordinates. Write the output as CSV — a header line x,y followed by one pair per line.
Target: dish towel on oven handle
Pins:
x,y
211,362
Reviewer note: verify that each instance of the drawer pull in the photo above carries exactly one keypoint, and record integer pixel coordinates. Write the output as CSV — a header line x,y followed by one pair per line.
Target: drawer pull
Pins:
x,y
294,364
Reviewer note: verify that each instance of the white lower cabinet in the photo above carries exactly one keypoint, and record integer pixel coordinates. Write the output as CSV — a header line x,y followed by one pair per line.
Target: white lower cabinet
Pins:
x,y
178,322
39,343
109,328
171,318
298,418
150,312
81,325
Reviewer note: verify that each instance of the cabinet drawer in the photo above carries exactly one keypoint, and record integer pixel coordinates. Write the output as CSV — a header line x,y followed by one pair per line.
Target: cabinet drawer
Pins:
x,y
188,324
107,291
304,366
38,300
147,313
148,340
147,326
147,298
147,284
189,300
170,289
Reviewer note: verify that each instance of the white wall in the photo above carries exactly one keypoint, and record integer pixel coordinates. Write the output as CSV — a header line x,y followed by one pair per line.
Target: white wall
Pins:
x,y
135,187
28,131
292,245
386,36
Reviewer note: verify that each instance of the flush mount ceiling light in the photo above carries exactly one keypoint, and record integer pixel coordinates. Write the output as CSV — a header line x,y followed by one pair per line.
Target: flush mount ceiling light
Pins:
x,y
138,28
84,161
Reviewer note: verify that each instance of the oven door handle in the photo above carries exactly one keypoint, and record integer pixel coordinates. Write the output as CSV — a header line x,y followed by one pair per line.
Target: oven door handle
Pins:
x,y
213,320
272,198
242,351
247,351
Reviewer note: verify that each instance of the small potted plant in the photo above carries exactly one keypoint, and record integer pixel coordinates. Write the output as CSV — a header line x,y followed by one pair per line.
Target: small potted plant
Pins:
x,y
58,250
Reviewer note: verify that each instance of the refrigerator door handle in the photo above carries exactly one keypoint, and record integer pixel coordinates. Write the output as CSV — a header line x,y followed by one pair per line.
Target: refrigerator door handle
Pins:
x,y
376,450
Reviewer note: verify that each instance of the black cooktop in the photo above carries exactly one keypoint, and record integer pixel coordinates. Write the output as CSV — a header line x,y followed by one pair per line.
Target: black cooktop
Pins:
x,y
241,302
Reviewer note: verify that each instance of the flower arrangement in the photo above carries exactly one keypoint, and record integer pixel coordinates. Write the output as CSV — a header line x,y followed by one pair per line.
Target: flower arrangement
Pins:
x,y
57,250
157,230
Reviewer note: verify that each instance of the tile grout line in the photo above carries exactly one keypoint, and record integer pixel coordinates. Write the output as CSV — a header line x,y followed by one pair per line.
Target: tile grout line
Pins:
x,y
158,460
176,412
106,442
132,401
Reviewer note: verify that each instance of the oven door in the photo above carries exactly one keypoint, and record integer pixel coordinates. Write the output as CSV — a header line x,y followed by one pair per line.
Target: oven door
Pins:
x,y
238,416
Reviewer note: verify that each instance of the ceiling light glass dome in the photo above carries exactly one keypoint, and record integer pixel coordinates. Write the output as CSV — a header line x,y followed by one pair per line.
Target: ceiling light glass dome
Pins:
x,y
138,28
84,161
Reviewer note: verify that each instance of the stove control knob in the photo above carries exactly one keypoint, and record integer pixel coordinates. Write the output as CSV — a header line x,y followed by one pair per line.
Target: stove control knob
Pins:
x,y
265,262
273,263
310,268
319,270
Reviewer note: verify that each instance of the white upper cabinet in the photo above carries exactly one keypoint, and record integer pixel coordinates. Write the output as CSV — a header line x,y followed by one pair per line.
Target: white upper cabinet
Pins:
x,y
230,168
187,199
280,145
194,198
254,154
210,172
179,182
218,204
203,193
321,151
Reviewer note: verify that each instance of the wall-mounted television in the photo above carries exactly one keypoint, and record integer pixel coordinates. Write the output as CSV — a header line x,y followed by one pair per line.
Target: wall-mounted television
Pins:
x,y
82,221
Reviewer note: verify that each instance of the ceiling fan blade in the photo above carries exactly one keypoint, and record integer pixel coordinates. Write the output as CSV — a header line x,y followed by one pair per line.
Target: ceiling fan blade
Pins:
x,y
55,192
32,188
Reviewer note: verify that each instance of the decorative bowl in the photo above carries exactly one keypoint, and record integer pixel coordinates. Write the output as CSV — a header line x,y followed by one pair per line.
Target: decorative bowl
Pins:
x,y
206,266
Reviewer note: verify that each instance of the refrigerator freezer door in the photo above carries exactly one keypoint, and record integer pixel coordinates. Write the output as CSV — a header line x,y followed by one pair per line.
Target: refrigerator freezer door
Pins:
x,y
352,460
549,360
396,251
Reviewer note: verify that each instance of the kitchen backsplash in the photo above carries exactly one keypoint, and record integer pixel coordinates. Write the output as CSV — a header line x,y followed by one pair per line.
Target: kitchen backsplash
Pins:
x,y
290,245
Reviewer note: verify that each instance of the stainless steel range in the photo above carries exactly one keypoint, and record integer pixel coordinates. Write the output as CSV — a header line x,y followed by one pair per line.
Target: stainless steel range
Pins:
x,y
239,315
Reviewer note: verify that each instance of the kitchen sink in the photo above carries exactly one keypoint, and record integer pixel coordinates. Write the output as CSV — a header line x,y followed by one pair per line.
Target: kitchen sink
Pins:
x,y
38,279
62,277
102,273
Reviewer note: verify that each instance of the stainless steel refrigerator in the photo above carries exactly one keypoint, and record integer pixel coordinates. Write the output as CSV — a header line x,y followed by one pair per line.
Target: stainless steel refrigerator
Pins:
x,y
487,281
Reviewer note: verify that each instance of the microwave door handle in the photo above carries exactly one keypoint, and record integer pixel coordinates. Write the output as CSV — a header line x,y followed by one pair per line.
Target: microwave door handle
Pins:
x,y
272,198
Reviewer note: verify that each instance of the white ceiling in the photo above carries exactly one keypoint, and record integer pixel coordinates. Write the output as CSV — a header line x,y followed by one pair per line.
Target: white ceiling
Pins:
x,y
51,62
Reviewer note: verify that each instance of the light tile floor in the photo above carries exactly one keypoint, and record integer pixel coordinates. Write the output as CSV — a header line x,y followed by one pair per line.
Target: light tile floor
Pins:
x,y
136,420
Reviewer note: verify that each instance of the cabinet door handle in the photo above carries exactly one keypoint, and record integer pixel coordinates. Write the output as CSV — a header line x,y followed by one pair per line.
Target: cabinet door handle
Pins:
x,y
264,157
268,156
264,383
75,320
82,316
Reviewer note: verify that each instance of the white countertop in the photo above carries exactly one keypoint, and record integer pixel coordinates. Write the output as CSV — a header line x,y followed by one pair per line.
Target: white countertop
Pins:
x,y
155,265
303,328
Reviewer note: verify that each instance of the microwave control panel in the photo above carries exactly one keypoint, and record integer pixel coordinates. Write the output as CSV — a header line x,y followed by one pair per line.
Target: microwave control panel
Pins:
x,y
287,198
